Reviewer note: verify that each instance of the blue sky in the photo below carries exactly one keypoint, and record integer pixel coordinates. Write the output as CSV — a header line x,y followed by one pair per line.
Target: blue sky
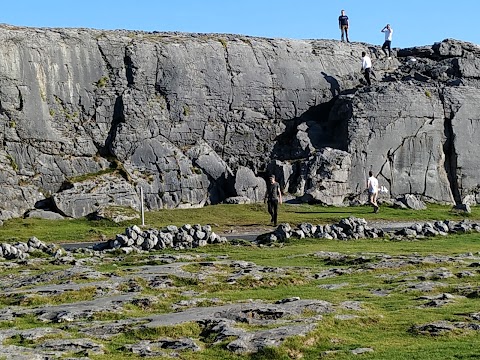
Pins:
x,y
415,22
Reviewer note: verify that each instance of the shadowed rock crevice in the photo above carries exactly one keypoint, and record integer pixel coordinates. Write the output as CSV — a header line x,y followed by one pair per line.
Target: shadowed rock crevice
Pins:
x,y
118,118
129,68
311,131
450,155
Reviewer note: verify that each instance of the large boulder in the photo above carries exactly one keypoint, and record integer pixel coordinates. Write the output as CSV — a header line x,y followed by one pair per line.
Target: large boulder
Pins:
x,y
89,196
328,174
249,185
412,202
283,172
219,173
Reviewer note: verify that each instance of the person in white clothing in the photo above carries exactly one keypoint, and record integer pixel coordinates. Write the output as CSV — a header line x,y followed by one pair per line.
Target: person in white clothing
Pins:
x,y
372,186
366,67
388,31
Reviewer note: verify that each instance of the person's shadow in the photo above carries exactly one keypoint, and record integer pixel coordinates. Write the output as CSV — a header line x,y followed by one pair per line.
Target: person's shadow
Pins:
x,y
334,85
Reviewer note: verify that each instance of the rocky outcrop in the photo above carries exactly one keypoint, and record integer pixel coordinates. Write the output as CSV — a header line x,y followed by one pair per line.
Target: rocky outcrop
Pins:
x,y
194,119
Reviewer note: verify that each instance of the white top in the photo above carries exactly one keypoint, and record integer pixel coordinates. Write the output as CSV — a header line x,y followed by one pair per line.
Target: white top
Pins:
x,y
388,34
366,62
372,185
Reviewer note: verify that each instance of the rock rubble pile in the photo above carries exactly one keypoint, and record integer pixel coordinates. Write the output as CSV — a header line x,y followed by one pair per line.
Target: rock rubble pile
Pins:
x,y
184,237
443,228
22,250
357,228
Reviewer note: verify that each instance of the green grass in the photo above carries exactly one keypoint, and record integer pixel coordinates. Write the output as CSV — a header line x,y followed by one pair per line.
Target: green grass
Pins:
x,y
221,217
383,324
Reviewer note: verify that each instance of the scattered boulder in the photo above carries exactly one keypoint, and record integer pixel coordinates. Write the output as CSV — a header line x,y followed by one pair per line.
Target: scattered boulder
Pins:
x,y
43,214
86,346
411,202
443,327
238,200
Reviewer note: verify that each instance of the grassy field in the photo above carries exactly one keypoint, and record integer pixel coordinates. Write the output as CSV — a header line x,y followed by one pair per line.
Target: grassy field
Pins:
x,y
221,217
383,324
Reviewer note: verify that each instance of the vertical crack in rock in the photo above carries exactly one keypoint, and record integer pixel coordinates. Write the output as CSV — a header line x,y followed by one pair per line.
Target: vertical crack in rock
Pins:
x,y
230,72
430,155
158,75
388,179
108,65
129,67
274,95
450,151
20,100
118,117
229,115
118,112
391,157
295,102
6,125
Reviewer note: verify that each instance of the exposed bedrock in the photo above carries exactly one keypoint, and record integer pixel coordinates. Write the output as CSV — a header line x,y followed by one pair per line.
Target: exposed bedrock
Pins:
x,y
194,119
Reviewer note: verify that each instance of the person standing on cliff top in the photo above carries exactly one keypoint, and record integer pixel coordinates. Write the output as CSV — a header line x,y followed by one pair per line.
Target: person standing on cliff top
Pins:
x,y
372,186
273,197
366,67
343,25
388,31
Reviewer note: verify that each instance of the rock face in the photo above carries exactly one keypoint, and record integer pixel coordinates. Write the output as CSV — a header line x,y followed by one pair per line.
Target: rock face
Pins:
x,y
194,119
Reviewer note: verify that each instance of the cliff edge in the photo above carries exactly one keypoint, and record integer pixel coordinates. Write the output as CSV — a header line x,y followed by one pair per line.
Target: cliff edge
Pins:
x,y
88,117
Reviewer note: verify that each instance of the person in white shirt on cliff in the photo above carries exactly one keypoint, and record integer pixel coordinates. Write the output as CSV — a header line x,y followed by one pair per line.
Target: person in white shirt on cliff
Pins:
x,y
388,31
366,67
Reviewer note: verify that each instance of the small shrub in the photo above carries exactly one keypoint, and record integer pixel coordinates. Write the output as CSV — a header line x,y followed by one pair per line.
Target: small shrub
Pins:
x,y
13,163
196,170
223,42
102,82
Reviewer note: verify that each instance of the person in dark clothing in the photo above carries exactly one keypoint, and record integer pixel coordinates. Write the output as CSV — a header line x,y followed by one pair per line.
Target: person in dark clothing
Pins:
x,y
343,25
273,197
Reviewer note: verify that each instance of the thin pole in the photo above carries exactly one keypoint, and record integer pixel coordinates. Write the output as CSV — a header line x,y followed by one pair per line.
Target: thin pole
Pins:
x,y
141,207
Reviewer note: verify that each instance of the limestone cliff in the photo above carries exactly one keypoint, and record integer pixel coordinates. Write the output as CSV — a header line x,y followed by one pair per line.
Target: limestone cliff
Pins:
x,y
89,117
